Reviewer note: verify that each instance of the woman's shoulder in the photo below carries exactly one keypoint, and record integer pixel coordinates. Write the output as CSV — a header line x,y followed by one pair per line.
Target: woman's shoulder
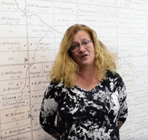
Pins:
x,y
56,84
53,89
115,78
113,75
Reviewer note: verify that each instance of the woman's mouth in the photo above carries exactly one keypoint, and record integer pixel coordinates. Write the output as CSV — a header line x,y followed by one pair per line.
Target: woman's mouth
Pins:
x,y
83,56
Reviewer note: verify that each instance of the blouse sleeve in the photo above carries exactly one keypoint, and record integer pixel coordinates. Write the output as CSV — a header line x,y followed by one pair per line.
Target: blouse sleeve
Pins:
x,y
123,111
48,110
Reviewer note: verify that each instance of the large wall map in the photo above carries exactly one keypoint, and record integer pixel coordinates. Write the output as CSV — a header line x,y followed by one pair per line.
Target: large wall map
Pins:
x,y
30,34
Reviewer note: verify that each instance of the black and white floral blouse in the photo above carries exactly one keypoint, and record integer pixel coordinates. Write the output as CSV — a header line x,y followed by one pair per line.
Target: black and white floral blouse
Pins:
x,y
78,114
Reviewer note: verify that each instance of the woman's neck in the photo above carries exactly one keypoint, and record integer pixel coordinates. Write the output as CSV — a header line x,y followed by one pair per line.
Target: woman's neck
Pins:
x,y
86,73
87,78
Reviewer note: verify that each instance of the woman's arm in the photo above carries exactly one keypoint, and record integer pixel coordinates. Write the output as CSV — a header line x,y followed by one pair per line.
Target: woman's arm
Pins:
x,y
48,111
54,135
123,111
120,125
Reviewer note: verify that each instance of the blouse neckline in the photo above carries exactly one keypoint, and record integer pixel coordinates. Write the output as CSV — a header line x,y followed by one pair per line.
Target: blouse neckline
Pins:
x,y
85,90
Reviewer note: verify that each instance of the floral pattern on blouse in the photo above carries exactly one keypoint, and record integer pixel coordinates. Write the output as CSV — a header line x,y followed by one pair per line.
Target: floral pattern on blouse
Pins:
x,y
79,114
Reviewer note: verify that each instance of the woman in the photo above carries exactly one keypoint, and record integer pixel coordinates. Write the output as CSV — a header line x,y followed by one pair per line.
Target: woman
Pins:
x,y
86,98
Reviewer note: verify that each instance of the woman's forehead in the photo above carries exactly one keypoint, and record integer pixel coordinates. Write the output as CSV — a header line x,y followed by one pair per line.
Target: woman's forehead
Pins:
x,y
81,35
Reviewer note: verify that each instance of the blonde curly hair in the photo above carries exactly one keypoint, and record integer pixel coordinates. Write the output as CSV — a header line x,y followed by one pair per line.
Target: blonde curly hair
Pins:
x,y
65,69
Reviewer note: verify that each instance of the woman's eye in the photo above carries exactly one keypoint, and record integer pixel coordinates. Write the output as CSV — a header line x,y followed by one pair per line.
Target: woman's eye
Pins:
x,y
84,43
75,45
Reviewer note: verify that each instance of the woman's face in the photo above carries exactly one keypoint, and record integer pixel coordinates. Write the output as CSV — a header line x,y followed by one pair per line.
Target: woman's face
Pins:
x,y
83,54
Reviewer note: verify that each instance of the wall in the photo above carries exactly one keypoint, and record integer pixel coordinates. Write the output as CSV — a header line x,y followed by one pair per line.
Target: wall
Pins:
x,y
30,33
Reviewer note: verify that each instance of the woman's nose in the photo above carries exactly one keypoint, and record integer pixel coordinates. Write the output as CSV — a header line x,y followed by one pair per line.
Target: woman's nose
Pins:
x,y
82,48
